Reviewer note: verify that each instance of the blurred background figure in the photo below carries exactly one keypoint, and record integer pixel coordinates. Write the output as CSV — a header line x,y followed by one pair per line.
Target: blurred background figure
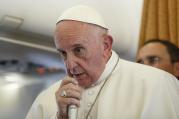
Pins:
x,y
161,54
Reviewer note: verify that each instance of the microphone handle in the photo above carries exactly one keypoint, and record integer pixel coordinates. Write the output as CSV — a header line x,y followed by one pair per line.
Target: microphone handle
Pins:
x,y
72,112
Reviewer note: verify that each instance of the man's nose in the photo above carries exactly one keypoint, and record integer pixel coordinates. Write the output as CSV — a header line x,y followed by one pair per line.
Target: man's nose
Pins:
x,y
71,63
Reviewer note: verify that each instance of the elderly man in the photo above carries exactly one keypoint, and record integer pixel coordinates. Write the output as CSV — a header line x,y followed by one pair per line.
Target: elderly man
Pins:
x,y
100,84
161,54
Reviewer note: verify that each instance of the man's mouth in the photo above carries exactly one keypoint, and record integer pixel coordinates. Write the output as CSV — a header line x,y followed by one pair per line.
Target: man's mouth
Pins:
x,y
78,75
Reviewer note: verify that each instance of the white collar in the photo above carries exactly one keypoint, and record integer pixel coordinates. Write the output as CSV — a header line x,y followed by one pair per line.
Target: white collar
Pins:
x,y
113,60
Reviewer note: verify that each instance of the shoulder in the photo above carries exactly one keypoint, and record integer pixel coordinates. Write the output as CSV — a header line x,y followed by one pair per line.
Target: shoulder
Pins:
x,y
45,104
47,96
146,73
146,78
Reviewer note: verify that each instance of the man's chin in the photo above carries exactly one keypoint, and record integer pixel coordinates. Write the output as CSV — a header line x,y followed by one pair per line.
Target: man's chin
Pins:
x,y
85,83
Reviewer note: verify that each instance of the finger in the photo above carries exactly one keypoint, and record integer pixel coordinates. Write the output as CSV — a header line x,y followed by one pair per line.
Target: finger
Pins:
x,y
62,105
72,101
64,102
73,87
71,91
69,80
73,94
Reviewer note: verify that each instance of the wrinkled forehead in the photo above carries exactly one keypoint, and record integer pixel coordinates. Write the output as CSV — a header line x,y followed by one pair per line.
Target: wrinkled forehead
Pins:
x,y
68,28
73,32
153,49
74,28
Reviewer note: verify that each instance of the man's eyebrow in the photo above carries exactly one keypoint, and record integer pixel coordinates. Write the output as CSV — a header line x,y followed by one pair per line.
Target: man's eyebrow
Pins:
x,y
77,45
73,46
152,56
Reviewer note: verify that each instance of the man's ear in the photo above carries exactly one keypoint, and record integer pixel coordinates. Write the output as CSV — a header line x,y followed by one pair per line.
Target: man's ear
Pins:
x,y
107,43
176,69
108,40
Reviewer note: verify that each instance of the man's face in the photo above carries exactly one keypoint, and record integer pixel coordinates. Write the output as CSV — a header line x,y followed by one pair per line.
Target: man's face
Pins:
x,y
81,45
156,55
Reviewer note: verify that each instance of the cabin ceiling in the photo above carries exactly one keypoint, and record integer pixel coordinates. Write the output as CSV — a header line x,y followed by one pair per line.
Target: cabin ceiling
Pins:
x,y
39,17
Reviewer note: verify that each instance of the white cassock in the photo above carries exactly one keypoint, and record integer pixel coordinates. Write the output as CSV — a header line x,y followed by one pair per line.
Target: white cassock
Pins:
x,y
125,90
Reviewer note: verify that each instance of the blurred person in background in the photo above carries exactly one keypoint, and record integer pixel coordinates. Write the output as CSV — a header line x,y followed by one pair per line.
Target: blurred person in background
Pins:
x,y
161,54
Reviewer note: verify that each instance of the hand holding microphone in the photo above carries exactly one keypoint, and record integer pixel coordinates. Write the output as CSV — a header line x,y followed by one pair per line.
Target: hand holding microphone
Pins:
x,y
69,99
72,109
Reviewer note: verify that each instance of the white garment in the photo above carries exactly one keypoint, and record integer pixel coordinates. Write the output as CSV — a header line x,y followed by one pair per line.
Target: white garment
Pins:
x,y
133,91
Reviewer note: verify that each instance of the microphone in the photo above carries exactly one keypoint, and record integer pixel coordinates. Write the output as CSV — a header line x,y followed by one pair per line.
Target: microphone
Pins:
x,y
72,112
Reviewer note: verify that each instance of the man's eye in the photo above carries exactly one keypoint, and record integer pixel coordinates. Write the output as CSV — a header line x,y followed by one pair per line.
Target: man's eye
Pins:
x,y
79,51
153,59
63,54
140,61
